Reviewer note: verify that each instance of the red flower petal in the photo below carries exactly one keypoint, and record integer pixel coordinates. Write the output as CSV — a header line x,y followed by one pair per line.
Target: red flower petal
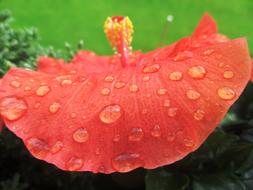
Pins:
x,y
105,118
252,72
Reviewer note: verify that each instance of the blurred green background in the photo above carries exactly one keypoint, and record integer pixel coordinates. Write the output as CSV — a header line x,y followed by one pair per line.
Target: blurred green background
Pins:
x,y
61,21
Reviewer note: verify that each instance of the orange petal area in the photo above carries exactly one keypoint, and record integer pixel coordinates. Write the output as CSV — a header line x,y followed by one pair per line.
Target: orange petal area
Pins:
x,y
147,116
252,72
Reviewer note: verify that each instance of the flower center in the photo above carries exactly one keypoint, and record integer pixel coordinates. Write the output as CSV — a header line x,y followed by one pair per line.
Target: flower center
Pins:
x,y
119,30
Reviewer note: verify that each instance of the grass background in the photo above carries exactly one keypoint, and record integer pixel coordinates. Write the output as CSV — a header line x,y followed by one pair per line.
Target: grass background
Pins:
x,y
62,21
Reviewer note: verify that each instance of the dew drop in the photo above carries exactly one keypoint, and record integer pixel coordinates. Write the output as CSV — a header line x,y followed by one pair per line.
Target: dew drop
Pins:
x,y
97,151
136,134
56,147
172,112
226,93
110,113
54,107
183,56
119,84
188,142
192,94
74,164
15,84
73,115
109,78
197,72
133,88
151,68
27,88
221,64
37,147
42,90
171,137
105,91
66,82
73,72
208,52
166,103
162,91
12,108
126,161
116,138
145,78
81,135
156,131
199,115
176,76
228,74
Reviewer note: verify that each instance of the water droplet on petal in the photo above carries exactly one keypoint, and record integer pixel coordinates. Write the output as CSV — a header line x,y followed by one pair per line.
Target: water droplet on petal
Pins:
x,y
136,134
66,82
166,103
208,52
15,84
133,88
74,164
171,137
172,112
188,142
12,108
37,147
162,91
81,135
56,147
105,91
197,72
199,115
226,93
151,68
109,78
27,88
145,78
228,74
42,90
183,56
119,84
221,64
110,113
73,72
97,151
126,161
192,94
116,138
176,76
73,115
156,131
54,107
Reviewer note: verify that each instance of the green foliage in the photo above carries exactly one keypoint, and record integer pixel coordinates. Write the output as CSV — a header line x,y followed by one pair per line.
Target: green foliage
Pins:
x,y
223,162
21,47
17,47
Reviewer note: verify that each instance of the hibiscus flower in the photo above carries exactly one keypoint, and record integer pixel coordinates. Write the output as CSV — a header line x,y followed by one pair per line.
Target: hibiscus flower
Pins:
x,y
117,113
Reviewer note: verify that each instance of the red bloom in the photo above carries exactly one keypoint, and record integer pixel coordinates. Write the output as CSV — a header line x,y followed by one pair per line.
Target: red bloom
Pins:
x,y
117,113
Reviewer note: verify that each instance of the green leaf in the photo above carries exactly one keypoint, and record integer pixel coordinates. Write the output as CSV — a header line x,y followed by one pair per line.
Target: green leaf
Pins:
x,y
217,181
159,179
